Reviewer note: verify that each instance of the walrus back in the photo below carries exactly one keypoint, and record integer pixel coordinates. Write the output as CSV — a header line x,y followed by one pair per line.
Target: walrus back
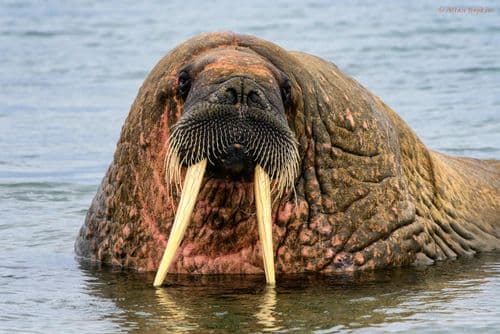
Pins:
x,y
494,165
466,205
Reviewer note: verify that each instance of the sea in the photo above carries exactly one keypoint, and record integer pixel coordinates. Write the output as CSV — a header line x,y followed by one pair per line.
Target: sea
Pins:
x,y
69,72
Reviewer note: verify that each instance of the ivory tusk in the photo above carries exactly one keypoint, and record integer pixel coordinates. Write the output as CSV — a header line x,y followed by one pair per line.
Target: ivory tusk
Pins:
x,y
192,184
263,204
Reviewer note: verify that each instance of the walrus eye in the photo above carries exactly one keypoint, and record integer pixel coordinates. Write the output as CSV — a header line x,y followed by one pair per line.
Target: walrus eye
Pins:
x,y
286,93
184,83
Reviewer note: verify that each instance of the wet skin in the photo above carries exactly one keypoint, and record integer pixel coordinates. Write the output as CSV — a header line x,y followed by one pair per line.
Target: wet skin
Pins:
x,y
367,193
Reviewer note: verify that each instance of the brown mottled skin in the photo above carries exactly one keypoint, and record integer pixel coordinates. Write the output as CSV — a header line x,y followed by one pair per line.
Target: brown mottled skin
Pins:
x,y
369,193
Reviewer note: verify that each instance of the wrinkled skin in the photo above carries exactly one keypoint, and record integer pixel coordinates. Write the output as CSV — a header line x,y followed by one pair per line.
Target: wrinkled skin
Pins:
x,y
369,194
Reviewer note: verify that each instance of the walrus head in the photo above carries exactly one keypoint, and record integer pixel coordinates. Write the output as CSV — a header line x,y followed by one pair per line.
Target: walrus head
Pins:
x,y
232,117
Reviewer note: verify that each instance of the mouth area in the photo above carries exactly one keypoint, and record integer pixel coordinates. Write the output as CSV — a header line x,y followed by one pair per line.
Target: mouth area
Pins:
x,y
234,165
191,188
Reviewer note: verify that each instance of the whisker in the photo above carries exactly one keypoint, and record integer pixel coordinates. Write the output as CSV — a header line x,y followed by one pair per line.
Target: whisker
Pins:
x,y
207,132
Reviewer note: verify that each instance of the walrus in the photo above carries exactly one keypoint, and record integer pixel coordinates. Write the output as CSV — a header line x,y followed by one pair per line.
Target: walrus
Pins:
x,y
238,156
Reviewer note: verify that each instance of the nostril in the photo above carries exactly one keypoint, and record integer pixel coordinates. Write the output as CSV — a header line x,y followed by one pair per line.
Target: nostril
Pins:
x,y
231,96
253,96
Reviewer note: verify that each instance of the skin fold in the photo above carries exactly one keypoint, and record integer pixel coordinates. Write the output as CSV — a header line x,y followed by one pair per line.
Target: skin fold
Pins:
x,y
368,193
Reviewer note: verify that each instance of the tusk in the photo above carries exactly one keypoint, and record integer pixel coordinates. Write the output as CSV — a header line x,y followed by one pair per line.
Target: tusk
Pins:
x,y
263,203
192,183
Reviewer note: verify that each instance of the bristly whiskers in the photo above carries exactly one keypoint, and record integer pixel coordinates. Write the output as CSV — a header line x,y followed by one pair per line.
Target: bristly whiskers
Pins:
x,y
207,131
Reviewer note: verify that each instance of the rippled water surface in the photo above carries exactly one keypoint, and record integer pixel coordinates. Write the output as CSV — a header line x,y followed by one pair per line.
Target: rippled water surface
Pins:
x,y
69,72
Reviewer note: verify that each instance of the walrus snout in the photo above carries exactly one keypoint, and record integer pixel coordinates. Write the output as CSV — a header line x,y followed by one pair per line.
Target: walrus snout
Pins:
x,y
243,94
234,140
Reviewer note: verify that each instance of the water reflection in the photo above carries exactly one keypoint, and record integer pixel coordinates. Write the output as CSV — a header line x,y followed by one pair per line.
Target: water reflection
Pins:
x,y
175,317
402,297
266,311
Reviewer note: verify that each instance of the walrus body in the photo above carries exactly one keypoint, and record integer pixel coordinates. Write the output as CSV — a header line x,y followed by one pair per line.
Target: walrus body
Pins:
x,y
366,194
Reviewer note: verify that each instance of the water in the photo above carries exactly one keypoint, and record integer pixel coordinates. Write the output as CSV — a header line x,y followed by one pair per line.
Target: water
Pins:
x,y
70,71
